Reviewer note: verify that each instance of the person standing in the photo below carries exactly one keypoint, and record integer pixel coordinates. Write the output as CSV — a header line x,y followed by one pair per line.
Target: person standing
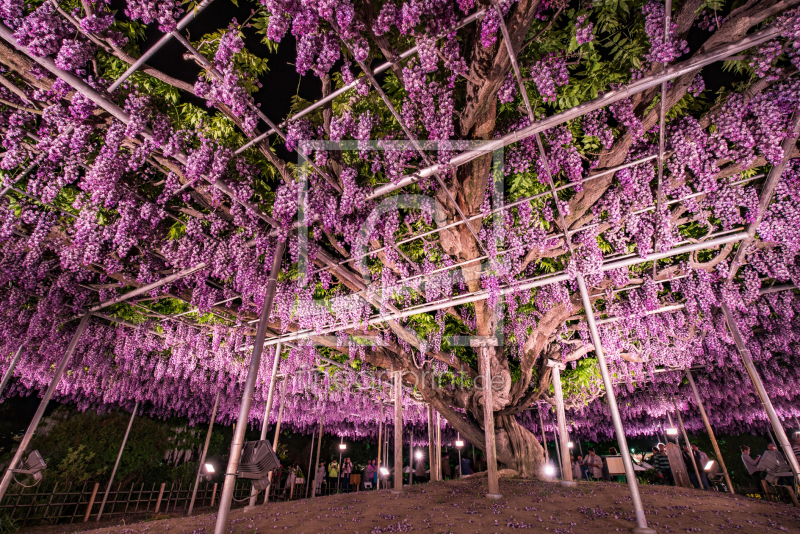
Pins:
x,y
660,462
576,467
333,476
347,469
420,472
594,465
466,468
446,472
318,478
369,473
703,457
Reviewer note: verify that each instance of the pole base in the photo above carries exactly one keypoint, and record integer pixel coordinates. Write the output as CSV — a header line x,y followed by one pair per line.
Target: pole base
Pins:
x,y
568,484
494,496
643,530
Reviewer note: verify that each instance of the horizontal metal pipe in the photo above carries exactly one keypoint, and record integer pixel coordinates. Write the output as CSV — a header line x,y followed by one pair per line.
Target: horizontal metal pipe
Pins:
x,y
498,210
483,295
675,307
648,82
381,68
189,17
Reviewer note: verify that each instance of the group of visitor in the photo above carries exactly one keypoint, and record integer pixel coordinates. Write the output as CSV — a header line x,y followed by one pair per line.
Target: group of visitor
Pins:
x,y
772,465
692,457
592,466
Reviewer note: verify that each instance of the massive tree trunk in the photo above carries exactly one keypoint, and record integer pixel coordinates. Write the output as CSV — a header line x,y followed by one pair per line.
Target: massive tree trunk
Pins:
x,y
518,443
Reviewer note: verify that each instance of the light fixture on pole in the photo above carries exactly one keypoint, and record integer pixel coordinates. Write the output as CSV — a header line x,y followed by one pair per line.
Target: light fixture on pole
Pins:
x,y
570,444
418,455
459,444
342,447
672,431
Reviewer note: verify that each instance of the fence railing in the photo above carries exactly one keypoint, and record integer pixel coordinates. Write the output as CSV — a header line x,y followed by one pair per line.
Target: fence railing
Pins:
x,y
53,504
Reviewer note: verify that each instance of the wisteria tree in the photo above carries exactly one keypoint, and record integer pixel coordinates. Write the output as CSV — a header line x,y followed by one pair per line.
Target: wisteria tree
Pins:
x,y
114,186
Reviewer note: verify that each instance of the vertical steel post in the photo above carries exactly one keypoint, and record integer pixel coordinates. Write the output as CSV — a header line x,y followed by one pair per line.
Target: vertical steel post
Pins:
x,y
544,436
777,426
339,471
661,134
205,451
228,488
686,439
26,439
460,474
10,370
310,460
630,475
267,410
410,460
438,446
91,502
380,438
316,465
566,465
431,450
493,483
275,437
116,464
672,426
398,434
556,439
709,430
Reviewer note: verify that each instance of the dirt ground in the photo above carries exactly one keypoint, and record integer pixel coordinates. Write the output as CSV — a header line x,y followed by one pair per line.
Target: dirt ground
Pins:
x,y
460,507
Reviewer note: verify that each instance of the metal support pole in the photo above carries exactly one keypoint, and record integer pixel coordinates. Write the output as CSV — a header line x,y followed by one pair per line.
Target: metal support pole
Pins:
x,y
661,134
431,449
277,433
159,44
544,437
380,443
267,410
673,71
771,438
116,464
205,451
410,460
26,439
777,426
488,426
438,446
310,460
398,434
458,438
556,438
672,426
711,435
630,475
339,470
316,465
221,526
686,439
10,370
566,466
